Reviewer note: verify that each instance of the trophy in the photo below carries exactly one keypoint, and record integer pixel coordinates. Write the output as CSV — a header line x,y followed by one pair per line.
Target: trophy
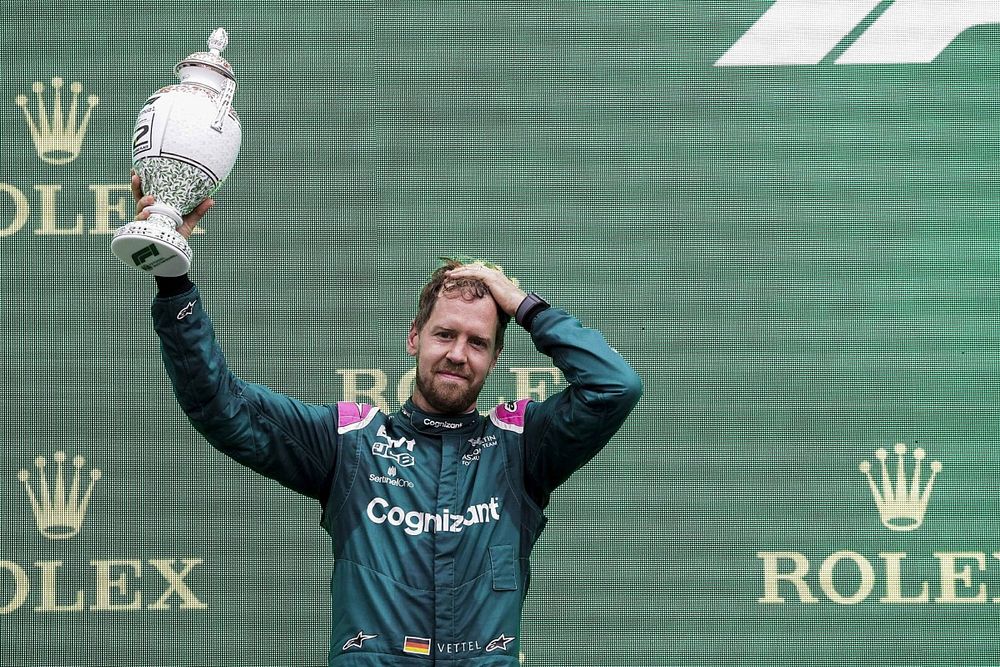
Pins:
x,y
186,140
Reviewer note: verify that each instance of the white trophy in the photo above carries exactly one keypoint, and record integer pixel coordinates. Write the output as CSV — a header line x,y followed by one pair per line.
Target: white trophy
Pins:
x,y
185,144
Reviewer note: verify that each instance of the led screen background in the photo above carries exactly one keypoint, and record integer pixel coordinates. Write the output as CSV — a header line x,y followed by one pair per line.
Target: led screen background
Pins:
x,y
800,261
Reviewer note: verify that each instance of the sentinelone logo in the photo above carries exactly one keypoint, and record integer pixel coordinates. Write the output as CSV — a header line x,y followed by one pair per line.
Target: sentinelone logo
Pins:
x,y
804,32
902,501
59,505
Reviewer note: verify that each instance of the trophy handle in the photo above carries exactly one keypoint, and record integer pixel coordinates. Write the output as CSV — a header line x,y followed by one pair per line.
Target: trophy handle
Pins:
x,y
225,103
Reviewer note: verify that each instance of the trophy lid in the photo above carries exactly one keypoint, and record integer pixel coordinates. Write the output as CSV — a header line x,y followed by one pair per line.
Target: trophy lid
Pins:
x,y
211,59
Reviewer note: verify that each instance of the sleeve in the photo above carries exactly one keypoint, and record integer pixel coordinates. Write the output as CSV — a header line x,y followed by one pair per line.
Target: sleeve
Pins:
x,y
569,428
287,440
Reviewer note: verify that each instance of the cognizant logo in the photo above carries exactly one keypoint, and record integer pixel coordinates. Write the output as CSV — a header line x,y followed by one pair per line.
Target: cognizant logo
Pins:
x,y
804,32
424,522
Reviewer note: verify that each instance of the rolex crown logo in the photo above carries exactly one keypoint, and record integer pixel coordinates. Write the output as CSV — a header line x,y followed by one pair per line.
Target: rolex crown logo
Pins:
x,y
901,505
58,513
57,137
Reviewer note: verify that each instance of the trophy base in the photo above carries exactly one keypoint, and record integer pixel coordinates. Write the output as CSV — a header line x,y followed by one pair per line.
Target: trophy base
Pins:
x,y
153,248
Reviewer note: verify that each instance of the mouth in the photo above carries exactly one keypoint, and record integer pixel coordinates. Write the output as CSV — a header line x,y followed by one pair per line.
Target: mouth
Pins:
x,y
452,376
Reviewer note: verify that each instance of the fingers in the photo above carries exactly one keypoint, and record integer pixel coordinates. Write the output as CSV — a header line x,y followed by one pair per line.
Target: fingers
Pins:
x,y
192,219
144,201
141,205
141,200
479,271
136,187
504,291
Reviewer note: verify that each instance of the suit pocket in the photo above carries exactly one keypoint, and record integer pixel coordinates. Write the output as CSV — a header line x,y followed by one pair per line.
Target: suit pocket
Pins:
x,y
502,561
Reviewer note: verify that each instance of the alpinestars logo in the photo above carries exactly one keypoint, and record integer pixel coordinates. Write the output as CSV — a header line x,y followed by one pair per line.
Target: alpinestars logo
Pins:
x,y
186,310
805,32
499,644
357,641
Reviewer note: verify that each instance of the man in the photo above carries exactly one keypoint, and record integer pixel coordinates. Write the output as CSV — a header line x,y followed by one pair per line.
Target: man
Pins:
x,y
433,510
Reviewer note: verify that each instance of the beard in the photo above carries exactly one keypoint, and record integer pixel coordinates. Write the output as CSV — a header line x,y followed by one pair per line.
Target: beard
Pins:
x,y
447,398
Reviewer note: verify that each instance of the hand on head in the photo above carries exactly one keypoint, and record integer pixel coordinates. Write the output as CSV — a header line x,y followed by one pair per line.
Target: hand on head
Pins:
x,y
503,290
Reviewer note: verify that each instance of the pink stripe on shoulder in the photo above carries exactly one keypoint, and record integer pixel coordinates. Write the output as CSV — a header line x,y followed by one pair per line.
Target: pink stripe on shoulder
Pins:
x,y
510,416
352,416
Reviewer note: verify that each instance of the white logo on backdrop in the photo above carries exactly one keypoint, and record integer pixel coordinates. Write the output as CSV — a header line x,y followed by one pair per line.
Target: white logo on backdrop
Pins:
x,y
804,32
59,511
59,499
58,135
901,505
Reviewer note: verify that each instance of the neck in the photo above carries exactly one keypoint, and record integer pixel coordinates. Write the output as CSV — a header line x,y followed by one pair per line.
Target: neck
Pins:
x,y
421,404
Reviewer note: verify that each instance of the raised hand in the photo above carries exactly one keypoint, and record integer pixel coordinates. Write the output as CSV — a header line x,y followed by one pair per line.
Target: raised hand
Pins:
x,y
507,295
143,201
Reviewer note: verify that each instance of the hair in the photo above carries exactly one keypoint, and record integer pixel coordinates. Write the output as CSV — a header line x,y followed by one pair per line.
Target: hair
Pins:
x,y
468,289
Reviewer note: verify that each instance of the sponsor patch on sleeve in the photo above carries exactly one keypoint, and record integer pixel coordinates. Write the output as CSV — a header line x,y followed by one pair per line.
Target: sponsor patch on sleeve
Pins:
x,y
352,416
510,416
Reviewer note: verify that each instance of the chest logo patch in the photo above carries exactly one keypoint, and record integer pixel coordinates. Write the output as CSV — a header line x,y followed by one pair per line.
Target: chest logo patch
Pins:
x,y
399,450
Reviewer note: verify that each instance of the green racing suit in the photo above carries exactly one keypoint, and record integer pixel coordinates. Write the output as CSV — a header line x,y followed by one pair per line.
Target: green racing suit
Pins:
x,y
432,517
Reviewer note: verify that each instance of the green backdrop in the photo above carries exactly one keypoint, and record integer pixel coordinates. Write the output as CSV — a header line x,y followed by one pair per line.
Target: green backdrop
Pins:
x,y
799,258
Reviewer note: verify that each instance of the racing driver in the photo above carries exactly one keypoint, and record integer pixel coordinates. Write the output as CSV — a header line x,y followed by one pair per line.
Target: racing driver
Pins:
x,y
432,510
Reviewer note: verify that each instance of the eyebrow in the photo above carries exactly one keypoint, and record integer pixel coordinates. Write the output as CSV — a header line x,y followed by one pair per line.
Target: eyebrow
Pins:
x,y
473,337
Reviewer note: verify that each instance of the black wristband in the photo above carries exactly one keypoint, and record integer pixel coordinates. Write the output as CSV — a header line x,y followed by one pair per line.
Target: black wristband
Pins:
x,y
170,286
529,308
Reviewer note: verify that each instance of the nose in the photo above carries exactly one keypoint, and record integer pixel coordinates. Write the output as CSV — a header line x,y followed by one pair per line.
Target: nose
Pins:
x,y
457,352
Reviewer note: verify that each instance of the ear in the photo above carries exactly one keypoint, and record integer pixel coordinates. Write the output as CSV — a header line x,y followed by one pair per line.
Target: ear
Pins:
x,y
413,340
496,358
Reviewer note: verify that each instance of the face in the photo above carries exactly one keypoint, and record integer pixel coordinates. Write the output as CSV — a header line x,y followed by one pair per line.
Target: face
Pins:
x,y
455,351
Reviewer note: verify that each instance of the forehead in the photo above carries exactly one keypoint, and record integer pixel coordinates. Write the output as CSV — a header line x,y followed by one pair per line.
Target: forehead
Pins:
x,y
477,317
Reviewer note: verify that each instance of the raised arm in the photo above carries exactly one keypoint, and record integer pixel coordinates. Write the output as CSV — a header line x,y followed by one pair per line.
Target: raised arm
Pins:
x,y
569,428
285,439
290,441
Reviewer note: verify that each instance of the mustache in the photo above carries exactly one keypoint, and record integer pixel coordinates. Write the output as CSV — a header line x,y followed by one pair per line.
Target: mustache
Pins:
x,y
454,369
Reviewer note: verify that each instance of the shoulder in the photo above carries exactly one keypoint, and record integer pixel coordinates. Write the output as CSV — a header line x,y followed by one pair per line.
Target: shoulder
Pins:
x,y
510,416
355,416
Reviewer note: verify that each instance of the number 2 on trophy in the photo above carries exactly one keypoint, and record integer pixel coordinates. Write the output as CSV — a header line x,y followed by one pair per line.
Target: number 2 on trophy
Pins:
x,y
142,137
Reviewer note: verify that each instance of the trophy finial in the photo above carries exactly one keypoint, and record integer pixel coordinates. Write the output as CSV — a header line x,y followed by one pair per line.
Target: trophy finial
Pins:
x,y
218,41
